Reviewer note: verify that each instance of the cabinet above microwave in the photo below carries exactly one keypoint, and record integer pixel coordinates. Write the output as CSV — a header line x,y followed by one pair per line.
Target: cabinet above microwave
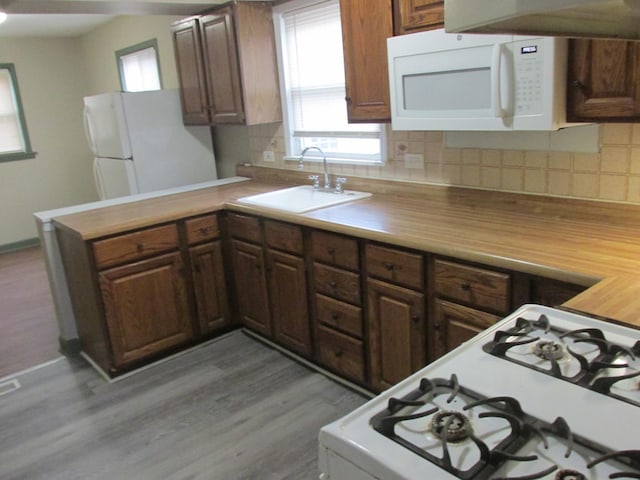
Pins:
x,y
442,81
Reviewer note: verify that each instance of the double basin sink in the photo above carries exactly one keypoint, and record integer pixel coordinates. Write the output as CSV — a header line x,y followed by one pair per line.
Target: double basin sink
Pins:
x,y
302,199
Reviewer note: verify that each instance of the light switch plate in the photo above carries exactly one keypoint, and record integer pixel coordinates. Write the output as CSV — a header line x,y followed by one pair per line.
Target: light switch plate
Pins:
x,y
268,156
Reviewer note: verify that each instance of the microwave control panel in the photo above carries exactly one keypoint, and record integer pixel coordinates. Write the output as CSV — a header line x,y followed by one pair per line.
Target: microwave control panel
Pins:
x,y
529,73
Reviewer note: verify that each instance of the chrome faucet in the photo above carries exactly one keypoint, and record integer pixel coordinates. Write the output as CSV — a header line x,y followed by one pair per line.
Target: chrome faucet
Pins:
x,y
327,182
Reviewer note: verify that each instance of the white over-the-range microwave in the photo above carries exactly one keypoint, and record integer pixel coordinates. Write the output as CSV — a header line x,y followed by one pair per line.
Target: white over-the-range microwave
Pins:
x,y
470,82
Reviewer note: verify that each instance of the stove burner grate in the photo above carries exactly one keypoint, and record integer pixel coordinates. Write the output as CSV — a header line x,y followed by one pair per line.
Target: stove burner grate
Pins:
x,y
594,372
454,433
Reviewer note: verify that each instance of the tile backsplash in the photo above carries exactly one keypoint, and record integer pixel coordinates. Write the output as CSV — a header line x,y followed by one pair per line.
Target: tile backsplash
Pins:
x,y
613,174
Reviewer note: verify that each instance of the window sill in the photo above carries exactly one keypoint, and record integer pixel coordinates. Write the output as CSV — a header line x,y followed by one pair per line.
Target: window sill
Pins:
x,y
11,157
337,161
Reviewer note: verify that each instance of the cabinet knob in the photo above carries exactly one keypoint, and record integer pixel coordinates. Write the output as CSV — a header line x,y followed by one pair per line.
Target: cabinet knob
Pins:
x,y
415,318
140,248
347,99
333,284
389,266
338,352
331,250
335,315
578,84
465,286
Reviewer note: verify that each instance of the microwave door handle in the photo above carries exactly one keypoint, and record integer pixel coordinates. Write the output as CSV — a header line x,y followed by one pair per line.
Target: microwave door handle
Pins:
x,y
496,87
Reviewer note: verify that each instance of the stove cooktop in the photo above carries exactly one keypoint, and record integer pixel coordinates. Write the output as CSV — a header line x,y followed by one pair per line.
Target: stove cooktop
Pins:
x,y
544,393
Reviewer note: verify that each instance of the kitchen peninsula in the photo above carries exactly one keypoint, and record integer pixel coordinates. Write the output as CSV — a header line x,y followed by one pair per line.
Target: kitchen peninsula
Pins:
x,y
431,265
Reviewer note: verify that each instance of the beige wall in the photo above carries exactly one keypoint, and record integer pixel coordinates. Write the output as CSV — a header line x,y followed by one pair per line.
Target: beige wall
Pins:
x,y
51,80
613,174
100,45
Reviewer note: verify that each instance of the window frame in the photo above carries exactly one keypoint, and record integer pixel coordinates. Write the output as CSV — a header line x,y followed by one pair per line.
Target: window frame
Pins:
x,y
28,153
287,106
151,43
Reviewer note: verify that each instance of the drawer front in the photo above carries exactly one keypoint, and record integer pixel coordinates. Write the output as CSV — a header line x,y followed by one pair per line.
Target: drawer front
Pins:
x,y
395,266
341,353
283,236
202,229
335,249
339,315
245,227
337,283
134,246
475,286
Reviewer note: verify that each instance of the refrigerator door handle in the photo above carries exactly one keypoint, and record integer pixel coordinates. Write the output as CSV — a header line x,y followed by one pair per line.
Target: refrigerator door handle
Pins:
x,y
88,133
98,179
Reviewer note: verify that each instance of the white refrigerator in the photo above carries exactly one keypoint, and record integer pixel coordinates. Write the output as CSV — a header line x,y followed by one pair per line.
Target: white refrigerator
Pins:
x,y
141,145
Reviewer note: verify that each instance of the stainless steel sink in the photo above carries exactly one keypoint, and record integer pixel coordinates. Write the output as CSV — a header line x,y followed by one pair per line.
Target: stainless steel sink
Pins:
x,y
302,199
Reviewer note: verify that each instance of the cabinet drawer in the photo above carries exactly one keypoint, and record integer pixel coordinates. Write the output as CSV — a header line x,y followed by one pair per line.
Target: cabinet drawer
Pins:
x,y
134,246
474,286
283,236
245,227
337,283
395,266
339,315
335,250
342,354
201,229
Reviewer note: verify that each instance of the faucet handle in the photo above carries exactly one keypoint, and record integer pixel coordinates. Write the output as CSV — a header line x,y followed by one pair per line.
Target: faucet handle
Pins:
x,y
316,180
340,181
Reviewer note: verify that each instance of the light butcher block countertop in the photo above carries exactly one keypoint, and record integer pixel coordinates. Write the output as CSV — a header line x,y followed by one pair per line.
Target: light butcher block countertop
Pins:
x,y
576,241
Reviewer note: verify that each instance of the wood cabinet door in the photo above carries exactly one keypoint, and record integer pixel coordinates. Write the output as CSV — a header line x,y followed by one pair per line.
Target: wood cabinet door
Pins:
x,y
455,324
251,286
603,81
210,288
397,341
220,55
417,15
289,301
191,77
366,25
146,307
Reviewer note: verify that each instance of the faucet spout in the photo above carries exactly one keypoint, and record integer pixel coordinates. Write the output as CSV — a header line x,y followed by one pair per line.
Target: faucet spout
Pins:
x,y
327,182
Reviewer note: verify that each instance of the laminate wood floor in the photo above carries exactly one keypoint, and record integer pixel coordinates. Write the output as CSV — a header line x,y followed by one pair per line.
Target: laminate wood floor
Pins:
x,y
231,409
28,328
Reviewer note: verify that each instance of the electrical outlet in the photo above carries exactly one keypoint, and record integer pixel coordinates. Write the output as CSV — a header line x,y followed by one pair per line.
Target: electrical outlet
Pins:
x,y
414,160
268,156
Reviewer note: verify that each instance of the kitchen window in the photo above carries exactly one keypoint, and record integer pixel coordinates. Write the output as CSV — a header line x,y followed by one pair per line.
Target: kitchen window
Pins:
x,y
14,138
139,67
312,79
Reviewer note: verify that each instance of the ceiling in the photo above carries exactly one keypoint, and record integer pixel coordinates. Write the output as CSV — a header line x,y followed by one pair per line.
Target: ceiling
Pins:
x,y
70,18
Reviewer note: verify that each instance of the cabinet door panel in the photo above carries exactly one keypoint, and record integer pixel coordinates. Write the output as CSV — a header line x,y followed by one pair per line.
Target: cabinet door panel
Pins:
x,y
397,333
210,288
193,89
221,66
604,81
366,25
288,289
146,307
416,15
455,324
251,286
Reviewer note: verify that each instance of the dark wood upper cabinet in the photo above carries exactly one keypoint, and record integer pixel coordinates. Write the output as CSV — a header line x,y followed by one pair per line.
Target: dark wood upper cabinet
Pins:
x,y
366,25
227,66
417,15
603,81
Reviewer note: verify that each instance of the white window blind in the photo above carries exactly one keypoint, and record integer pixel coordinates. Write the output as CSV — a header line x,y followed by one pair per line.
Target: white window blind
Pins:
x,y
138,67
313,70
11,137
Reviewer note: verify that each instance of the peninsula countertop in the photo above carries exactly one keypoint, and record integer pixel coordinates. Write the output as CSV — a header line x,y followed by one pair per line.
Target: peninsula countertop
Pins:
x,y
583,242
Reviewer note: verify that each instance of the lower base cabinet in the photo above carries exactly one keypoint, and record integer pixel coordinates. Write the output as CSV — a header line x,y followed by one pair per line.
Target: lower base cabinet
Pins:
x,y
137,327
210,288
397,337
455,324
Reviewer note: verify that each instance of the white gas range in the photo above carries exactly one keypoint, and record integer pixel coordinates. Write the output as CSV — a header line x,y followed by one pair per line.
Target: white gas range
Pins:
x,y
543,394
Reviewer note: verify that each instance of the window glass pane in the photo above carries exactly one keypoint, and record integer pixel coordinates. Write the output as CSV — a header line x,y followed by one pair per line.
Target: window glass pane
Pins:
x,y
11,138
138,66
311,38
